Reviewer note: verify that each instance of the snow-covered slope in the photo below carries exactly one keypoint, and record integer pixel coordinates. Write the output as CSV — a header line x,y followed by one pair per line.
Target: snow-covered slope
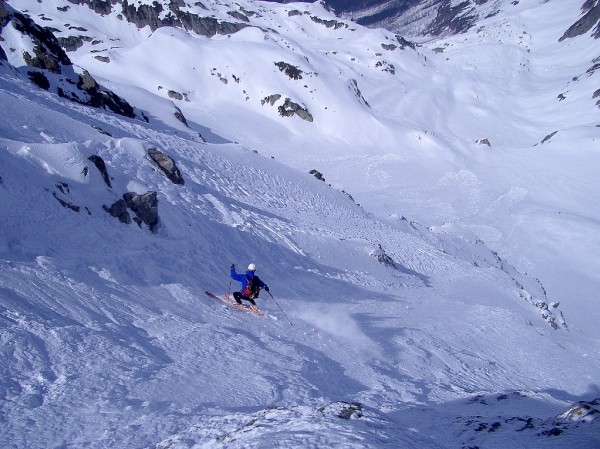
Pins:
x,y
399,336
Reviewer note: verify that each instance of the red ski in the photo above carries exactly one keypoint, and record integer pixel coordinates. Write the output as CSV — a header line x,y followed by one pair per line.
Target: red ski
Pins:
x,y
231,303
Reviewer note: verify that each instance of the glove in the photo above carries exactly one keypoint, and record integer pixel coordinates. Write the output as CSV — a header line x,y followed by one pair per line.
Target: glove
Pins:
x,y
232,265
266,287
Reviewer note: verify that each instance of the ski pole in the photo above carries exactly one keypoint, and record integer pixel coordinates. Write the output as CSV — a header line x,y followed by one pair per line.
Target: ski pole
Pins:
x,y
286,317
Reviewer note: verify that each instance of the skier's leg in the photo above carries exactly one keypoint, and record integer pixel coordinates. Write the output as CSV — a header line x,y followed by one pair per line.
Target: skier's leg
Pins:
x,y
238,297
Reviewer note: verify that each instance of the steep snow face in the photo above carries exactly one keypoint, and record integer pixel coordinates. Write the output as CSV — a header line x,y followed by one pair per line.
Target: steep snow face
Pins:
x,y
108,338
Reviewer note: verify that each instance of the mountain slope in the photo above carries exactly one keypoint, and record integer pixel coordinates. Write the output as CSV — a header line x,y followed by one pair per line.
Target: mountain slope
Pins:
x,y
109,339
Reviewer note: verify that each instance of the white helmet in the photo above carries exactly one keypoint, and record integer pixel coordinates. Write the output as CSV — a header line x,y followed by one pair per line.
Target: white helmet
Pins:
x,y
251,267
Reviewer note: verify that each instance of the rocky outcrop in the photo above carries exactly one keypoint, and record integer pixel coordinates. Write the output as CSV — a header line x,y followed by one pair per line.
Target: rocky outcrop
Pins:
x,y
317,174
102,7
119,210
73,43
271,99
335,24
167,165
155,17
289,109
591,18
452,19
47,61
145,208
290,70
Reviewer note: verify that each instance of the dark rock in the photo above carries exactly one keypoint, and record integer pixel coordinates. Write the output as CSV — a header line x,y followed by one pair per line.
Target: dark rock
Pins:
x,y
4,14
386,67
271,99
179,116
317,174
405,43
238,15
329,23
39,79
145,207
554,432
549,136
167,165
590,18
484,142
66,204
102,7
342,409
353,85
101,166
72,43
119,210
49,56
175,95
289,109
452,19
290,70
155,17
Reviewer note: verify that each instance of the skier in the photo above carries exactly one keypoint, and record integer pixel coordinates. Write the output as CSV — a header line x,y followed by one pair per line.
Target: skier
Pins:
x,y
251,285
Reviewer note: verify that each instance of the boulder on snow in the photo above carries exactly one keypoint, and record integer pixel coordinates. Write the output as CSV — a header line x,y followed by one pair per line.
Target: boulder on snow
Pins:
x,y
145,207
271,99
101,166
167,165
317,174
119,210
289,109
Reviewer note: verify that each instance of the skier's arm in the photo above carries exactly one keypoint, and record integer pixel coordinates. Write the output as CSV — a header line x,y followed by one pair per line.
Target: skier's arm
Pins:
x,y
261,284
235,276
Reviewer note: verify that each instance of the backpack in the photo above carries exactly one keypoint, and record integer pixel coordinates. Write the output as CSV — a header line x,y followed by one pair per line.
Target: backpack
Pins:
x,y
252,290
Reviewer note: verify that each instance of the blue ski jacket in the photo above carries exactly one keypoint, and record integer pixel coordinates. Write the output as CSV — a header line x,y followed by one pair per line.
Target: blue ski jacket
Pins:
x,y
244,279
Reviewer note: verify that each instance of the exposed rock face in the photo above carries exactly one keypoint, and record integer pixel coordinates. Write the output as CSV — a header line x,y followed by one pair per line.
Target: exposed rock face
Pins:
x,y
49,62
48,54
590,18
72,43
156,17
167,165
99,6
452,19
